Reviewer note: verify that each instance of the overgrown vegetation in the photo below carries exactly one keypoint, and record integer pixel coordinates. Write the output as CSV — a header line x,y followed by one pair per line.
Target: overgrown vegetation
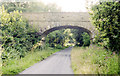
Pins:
x,y
94,60
17,40
59,38
86,39
16,66
17,37
67,37
81,38
105,16
0,61
102,59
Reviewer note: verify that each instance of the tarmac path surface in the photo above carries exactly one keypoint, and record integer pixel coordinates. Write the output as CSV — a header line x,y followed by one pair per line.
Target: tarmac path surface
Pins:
x,y
58,63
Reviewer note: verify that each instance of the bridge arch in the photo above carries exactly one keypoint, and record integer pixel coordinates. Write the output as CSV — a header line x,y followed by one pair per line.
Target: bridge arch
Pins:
x,y
81,29
47,22
46,32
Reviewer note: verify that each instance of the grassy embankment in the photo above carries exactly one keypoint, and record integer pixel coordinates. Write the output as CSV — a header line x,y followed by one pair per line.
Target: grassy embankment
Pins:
x,y
16,66
0,61
94,60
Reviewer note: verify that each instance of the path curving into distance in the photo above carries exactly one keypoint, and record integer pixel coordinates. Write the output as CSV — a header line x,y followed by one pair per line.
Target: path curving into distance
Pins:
x,y
58,63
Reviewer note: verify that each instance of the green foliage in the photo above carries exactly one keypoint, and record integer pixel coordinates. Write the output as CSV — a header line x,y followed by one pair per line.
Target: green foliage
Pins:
x,y
107,62
17,36
58,46
30,7
16,66
78,37
105,16
68,37
81,38
60,38
55,38
86,39
98,60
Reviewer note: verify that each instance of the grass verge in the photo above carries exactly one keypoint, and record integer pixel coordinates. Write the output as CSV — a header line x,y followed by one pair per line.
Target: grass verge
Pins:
x,y
94,60
0,60
16,66
0,64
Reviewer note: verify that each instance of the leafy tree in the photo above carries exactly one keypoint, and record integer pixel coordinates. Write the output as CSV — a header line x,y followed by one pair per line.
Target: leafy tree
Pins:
x,y
86,39
28,6
81,38
68,37
60,38
105,17
77,36
55,38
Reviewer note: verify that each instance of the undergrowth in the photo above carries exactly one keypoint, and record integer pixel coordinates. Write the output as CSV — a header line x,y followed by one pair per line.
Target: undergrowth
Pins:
x,y
0,63
94,60
15,66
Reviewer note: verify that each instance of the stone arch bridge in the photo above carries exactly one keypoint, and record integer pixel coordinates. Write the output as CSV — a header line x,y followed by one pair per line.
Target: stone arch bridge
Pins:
x,y
47,22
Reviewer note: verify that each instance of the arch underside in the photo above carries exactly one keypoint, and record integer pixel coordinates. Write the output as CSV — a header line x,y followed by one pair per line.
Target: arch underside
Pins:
x,y
81,29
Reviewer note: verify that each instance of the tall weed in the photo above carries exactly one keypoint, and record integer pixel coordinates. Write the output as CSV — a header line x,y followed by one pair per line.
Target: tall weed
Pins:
x,y
99,60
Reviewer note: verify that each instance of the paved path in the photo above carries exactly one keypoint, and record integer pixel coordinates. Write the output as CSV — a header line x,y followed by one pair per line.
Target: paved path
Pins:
x,y
58,63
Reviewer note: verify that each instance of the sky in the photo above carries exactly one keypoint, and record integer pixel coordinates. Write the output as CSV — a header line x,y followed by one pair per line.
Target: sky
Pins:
x,y
69,5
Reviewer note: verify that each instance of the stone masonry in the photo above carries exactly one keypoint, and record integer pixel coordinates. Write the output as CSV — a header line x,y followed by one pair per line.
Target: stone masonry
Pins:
x,y
48,20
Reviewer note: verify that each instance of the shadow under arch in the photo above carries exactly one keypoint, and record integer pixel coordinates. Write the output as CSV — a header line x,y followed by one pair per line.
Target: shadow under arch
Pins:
x,y
44,34
81,29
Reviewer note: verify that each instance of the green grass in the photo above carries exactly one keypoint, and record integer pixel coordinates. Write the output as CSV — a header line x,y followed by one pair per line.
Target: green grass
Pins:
x,y
0,65
0,61
94,60
17,66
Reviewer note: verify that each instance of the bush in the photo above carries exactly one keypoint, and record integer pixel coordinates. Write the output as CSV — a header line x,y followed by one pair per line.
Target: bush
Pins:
x,y
86,39
105,16
58,46
17,36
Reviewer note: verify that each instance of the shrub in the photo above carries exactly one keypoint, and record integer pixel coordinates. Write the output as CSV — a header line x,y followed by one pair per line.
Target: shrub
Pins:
x,y
58,46
17,36
105,17
86,39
